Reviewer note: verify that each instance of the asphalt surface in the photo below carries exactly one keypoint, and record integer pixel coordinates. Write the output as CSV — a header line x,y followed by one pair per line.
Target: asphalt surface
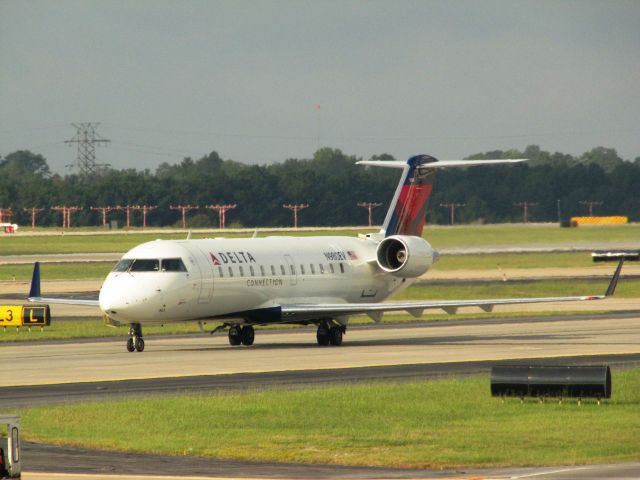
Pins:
x,y
539,335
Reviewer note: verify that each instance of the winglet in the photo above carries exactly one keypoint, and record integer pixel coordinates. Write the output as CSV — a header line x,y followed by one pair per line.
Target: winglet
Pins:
x,y
614,280
35,281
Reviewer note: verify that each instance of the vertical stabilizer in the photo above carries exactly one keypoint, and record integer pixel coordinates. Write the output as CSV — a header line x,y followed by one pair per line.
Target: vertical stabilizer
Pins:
x,y
408,209
406,215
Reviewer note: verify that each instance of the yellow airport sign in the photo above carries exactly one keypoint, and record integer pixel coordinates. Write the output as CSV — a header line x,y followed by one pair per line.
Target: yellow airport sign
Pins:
x,y
25,316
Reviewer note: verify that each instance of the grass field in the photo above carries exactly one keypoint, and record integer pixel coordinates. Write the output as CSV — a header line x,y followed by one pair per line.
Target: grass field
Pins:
x,y
437,424
514,260
627,288
87,270
439,237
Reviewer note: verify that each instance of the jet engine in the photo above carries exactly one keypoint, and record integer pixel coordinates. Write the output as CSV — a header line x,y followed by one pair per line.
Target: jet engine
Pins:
x,y
405,256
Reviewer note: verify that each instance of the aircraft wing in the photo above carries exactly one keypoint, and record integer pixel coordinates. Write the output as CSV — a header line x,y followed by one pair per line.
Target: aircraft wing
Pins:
x,y
36,296
376,310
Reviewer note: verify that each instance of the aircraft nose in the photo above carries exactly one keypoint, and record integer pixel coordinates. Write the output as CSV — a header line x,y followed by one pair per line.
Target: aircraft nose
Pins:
x,y
111,302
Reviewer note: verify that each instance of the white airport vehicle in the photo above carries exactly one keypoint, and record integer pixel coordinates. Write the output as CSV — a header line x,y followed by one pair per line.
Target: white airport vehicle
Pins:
x,y
9,227
322,280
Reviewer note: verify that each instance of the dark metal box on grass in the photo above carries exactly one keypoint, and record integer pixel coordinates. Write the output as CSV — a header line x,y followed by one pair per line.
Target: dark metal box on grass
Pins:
x,y
589,381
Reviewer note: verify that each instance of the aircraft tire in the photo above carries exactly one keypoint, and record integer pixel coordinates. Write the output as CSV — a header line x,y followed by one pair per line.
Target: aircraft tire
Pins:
x,y
247,335
323,338
139,343
335,336
234,336
130,346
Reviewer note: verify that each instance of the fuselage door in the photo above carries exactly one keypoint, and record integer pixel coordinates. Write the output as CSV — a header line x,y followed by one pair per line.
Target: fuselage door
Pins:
x,y
206,276
292,271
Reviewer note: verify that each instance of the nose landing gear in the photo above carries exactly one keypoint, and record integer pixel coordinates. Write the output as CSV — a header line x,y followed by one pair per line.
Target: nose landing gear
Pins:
x,y
135,342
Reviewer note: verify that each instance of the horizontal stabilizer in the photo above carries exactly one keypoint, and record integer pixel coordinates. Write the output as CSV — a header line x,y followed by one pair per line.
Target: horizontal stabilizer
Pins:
x,y
441,163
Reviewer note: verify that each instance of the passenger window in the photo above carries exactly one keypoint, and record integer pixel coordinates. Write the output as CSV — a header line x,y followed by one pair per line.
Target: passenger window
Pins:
x,y
261,270
331,268
293,269
241,271
173,265
321,268
273,270
220,272
341,268
123,265
302,269
145,265
230,272
282,270
313,270
251,270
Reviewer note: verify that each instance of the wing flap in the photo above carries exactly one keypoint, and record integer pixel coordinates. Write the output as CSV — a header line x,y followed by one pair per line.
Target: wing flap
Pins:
x,y
414,308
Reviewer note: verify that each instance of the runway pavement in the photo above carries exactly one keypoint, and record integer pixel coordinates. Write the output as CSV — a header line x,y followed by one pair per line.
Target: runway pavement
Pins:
x,y
79,370
282,350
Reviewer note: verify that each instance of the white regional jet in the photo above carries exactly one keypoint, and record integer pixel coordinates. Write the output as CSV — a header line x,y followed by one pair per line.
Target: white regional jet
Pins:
x,y
295,280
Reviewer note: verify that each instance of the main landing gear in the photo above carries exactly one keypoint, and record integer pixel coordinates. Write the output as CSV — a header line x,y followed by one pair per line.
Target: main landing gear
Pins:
x,y
135,342
241,335
330,334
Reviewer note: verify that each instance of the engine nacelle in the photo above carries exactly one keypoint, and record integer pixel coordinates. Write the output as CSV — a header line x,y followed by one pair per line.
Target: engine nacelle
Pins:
x,y
405,256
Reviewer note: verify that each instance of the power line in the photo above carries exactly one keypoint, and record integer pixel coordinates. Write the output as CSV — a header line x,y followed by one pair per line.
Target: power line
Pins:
x,y
87,139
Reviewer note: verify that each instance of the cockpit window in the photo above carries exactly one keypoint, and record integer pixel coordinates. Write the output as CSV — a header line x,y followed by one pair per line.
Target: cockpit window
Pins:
x,y
144,265
123,265
173,265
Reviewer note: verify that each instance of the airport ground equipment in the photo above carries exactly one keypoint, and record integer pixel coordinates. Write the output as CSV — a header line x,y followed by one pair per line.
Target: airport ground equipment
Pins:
x,y
10,447
559,381
627,255
25,316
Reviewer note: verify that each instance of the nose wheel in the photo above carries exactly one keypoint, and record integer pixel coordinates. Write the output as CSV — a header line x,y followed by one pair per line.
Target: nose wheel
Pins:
x,y
135,342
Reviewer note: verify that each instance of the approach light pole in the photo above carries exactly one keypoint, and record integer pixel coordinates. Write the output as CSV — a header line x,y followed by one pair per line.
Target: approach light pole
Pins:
x,y
295,207
590,204
145,210
104,211
222,210
34,211
452,210
5,214
525,209
369,206
66,214
184,209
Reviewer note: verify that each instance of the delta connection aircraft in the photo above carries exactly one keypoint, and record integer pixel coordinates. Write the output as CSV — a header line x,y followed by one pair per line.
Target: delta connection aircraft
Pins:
x,y
244,282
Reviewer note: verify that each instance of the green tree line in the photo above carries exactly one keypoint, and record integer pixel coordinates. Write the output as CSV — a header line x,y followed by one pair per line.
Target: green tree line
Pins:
x,y
330,183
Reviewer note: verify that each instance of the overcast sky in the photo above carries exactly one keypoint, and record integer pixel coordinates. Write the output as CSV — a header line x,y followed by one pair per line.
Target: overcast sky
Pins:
x,y
169,79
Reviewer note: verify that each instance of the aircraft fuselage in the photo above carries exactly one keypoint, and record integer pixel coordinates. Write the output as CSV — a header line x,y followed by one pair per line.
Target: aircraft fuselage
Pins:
x,y
242,278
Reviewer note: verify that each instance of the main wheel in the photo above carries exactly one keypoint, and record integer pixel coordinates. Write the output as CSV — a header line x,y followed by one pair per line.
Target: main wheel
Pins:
x,y
335,336
322,336
130,346
247,335
139,344
234,336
